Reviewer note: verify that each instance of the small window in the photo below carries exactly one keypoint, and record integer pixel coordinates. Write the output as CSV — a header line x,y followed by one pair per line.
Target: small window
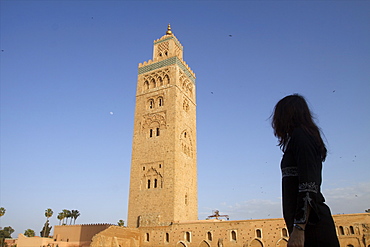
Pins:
x,y
341,230
167,237
148,183
284,232
151,104
157,132
188,236
147,237
160,101
151,133
233,235
155,183
351,230
143,168
209,236
160,165
258,233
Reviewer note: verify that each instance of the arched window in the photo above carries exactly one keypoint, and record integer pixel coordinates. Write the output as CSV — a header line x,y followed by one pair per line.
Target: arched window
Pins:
x,y
151,133
188,236
209,236
147,237
351,230
152,84
160,101
233,235
160,81
166,80
157,134
167,237
284,232
341,230
146,85
151,104
258,233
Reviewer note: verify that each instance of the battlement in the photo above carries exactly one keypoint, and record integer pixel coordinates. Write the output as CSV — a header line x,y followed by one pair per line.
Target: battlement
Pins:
x,y
168,37
92,224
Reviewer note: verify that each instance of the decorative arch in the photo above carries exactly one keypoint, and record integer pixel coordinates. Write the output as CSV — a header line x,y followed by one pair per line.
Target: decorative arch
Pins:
x,y
160,81
146,85
150,103
152,83
256,243
181,244
186,141
152,179
166,80
204,243
282,242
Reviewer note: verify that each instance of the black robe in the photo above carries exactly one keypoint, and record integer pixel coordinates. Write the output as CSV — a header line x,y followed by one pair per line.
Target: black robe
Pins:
x,y
301,168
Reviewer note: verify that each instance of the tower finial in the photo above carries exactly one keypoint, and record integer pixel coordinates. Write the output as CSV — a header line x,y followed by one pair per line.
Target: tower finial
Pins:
x,y
169,32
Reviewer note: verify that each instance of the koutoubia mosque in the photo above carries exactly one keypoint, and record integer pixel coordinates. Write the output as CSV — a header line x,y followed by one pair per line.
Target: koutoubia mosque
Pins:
x,y
163,204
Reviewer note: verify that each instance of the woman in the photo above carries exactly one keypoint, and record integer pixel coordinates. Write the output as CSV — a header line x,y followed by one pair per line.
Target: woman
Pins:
x,y
307,217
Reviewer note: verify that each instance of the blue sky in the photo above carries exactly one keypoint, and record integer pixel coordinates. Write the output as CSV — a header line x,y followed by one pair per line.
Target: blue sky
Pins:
x,y
68,78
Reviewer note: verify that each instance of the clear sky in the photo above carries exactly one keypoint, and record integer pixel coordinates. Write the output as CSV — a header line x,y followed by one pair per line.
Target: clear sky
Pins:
x,y
68,80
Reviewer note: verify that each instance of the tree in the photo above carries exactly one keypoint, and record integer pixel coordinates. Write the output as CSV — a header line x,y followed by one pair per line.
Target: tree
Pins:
x,y
6,232
48,214
67,214
74,215
2,211
45,232
29,233
60,217
121,223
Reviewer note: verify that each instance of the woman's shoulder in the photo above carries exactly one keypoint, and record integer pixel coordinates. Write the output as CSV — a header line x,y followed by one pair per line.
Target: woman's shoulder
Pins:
x,y
300,135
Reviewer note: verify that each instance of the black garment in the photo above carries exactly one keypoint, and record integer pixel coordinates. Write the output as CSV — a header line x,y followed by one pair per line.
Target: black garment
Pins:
x,y
301,170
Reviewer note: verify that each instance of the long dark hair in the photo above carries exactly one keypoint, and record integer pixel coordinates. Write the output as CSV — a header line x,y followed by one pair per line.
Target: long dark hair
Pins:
x,y
292,112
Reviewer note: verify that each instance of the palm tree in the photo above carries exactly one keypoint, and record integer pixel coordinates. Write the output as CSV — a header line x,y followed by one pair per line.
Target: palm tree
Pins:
x,y
29,233
48,214
2,211
60,217
67,214
74,215
121,223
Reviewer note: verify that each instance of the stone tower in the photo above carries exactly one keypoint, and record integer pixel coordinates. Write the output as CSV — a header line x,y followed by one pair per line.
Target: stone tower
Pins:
x,y
163,179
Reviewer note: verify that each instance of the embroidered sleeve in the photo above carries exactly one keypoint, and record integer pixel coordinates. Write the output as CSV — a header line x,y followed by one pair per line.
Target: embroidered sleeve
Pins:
x,y
309,176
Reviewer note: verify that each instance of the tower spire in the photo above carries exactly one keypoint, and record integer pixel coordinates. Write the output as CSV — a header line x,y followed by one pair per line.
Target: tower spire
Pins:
x,y
169,32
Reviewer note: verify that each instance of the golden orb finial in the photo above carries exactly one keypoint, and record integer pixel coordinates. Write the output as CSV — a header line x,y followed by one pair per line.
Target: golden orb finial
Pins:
x,y
169,32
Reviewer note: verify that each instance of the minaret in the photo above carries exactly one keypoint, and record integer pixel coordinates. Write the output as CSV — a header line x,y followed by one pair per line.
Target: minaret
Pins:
x,y
163,179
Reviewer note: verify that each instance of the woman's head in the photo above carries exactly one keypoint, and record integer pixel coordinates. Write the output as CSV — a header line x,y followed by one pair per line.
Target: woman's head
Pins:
x,y
292,112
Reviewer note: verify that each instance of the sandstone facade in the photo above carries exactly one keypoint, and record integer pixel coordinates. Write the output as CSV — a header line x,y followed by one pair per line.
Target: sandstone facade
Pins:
x,y
353,231
163,180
